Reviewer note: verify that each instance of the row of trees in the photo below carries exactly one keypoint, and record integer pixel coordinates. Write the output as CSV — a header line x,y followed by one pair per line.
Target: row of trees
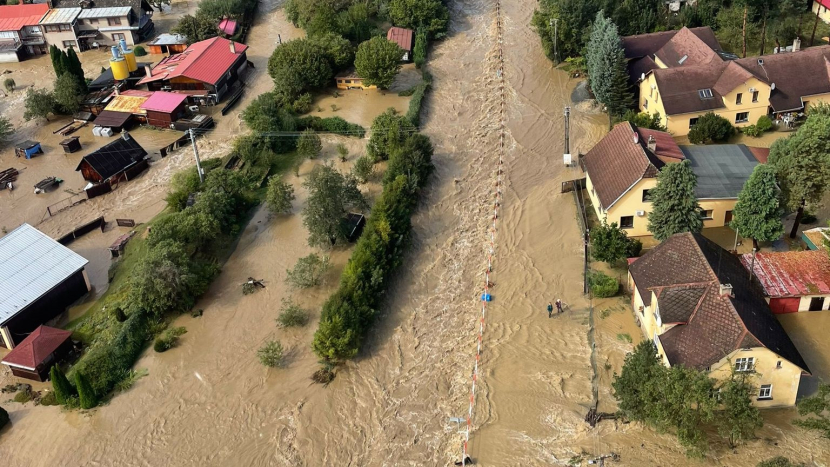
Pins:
x,y
350,311
685,401
67,93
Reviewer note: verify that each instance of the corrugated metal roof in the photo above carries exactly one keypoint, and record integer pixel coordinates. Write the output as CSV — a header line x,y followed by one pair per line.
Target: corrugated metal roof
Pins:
x,y
105,12
162,101
61,16
169,39
205,61
127,104
791,273
31,264
16,17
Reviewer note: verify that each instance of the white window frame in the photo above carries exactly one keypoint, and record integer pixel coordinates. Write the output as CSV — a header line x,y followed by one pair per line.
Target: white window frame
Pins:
x,y
745,364
765,392
740,120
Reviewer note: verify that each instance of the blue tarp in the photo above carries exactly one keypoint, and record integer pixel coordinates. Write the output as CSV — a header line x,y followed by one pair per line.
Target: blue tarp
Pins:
x,y
486,297
29,148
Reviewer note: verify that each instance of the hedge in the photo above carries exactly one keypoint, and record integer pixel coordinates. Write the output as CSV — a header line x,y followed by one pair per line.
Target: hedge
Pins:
x,y
414,112
331,125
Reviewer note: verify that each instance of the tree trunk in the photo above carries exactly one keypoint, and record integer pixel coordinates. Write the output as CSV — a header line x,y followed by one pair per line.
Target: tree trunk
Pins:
x,y
815,24
764,33
798,215
800,22
743,31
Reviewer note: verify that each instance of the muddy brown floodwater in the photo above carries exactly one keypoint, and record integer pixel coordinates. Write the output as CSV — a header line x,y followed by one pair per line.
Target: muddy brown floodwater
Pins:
x,y
209,402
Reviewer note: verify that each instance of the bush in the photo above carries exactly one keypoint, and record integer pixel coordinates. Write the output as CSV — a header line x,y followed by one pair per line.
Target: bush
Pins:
x,y
86,395
413,114
49,399
363,169
4,418
279,195
292,315
308,271
169,339
39,103
309,145
343,151
271,354
603,285
9,84
635,247
139,51
710,128
764,123
389,130
331,125
419,52
6,130
62,389
23,396
752,131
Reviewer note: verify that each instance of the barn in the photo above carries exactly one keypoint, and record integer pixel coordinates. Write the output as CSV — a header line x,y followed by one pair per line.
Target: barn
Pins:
x,y
164,108
121,159
39,280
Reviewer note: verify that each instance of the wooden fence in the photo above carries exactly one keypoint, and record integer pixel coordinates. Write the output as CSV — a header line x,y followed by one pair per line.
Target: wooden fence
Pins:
x,y
83,230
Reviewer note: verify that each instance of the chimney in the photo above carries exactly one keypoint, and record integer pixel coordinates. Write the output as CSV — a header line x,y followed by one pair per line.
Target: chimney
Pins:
x,y
652,143
726,290
147,71
796,44
233,47
126,137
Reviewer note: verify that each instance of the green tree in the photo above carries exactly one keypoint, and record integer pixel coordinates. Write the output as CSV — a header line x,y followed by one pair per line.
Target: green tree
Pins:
x,y
758,212
431,16
331,196
710,128
802,164
163,281
271,354
378,61
334,342
279,196
419,52
6,130
308,272
738,418
816,411
674,205
86,394
730,27
609,243
68,93
196,28
56,55
338,49
363,168
305,60
778,461
309,145
635,388
74,68
60,384
356,23
644,120
39,103
606,63
389,131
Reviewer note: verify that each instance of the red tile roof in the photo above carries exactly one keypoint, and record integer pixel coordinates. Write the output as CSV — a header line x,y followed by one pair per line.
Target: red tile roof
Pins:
x,y
685,48
35,348
401,36
762,154
15,17
205,61
791,273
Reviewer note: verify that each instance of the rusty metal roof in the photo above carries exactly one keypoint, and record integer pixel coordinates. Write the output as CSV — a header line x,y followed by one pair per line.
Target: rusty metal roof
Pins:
x,y
127,104
791,273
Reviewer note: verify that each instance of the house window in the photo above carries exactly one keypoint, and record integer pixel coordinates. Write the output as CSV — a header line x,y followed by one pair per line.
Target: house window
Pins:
x,y
117,37
692,122
114,21
754,96
739,98
657,318
765,392
816,304
53,28
68,44
778,365
66,27
646,196
705,93
741,117
745,364
93,21
707,214
627,222
645,104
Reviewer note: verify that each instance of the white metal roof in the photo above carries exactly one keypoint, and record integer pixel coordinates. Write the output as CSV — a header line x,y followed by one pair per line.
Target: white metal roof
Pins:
x,y
110,12
31,264
60,16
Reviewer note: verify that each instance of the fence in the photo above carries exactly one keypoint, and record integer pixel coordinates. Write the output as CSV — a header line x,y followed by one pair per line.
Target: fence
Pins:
x,y
83,230
66,203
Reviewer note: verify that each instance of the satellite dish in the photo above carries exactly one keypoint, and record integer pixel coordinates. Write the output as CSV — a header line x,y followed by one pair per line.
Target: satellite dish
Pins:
x,y
772,87
642,76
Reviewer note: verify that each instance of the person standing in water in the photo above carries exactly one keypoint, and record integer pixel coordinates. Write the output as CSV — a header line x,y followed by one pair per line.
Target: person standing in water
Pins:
x,y
550,309
558,306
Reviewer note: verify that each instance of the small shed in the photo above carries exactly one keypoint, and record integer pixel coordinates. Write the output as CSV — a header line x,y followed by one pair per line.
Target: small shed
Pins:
x,y
27,149
71,144
37,353
228,27
168,43
113,161
164,108
349,80
405,40
112,119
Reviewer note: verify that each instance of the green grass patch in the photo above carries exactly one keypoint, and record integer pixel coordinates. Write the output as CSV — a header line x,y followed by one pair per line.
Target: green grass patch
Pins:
x,y
624,337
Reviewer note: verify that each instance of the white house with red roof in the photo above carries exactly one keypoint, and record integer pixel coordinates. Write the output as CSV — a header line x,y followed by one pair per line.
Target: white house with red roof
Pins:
x,y
206,69
20,33
820,8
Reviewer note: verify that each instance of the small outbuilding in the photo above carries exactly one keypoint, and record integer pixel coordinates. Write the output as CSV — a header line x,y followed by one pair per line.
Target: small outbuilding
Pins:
x,y
37,353
39,280
228,27
793,281
71,144
164,108
112,119
349,80
27,149
168,44
119,160
405,38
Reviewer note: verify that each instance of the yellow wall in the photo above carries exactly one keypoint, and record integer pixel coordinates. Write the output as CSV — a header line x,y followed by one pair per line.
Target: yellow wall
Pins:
x,y
810,101
784,380
823,12
354,83
719,207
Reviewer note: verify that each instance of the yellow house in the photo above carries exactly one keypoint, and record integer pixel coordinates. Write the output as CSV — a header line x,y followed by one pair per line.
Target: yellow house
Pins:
x,y
623,166
694,300
820,9
686,75
349,80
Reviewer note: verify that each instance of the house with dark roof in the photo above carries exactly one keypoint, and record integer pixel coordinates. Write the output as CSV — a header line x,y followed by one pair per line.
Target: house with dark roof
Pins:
x,y
39,351
793,281
206,69
20,33
622,167
119,160
684,74
695,301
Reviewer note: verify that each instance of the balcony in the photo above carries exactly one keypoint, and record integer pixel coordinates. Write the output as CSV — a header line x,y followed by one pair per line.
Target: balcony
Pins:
x,y
33,40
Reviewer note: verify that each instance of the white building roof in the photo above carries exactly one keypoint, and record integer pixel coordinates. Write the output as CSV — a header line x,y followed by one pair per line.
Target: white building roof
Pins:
x,y
110,12
60,16
31,264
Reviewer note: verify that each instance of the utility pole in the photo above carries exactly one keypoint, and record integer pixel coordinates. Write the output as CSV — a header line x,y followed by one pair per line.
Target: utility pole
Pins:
x,y
196,153
554,23
567,156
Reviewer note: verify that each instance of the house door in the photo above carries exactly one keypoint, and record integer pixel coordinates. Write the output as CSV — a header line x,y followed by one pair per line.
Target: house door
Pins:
x,y
816,304
727,218
784,305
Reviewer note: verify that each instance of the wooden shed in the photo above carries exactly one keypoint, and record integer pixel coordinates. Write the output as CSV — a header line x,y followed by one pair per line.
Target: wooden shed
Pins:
x,y
113,161
167,44
71,144
36,354
164,108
